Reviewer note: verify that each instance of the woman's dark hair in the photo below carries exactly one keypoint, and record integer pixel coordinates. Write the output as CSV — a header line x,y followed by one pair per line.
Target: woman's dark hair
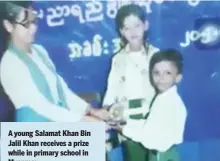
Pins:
x,y
125,11
9,10
171,55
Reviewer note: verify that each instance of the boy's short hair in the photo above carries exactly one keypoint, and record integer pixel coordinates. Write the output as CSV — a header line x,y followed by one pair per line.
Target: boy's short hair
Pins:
x,y
167,55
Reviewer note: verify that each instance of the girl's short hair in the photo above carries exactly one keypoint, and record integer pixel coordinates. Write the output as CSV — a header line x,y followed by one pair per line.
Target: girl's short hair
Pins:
x,y
125,11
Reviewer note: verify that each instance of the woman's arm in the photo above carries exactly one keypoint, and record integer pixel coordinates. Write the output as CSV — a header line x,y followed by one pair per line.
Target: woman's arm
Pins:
x,y
76,105
79,106
19,86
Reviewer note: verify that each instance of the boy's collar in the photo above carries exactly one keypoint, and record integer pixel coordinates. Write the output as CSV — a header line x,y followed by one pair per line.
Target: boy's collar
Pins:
x,y
170,90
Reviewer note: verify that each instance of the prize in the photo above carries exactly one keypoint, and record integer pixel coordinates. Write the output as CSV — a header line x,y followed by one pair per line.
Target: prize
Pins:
x,y
117,113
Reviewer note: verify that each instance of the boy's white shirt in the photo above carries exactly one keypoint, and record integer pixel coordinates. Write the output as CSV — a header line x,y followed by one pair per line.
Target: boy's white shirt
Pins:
x,y
136,85
21,89
164,126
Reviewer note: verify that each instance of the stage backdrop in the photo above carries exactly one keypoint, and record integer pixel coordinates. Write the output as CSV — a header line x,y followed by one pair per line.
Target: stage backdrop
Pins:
x,y
81,40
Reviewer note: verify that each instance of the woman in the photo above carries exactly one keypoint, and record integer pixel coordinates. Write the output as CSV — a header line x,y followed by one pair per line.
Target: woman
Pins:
x,y
128,81
29,77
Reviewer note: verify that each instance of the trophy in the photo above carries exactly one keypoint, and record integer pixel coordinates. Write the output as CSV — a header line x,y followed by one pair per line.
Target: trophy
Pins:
x,y
117,115
119,112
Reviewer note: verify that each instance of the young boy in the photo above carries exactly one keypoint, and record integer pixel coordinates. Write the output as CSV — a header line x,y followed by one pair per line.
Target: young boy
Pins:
x,y
163,126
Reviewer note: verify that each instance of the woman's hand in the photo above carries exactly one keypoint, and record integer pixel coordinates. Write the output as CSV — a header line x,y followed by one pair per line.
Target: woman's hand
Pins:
x,y
90,119
102,114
